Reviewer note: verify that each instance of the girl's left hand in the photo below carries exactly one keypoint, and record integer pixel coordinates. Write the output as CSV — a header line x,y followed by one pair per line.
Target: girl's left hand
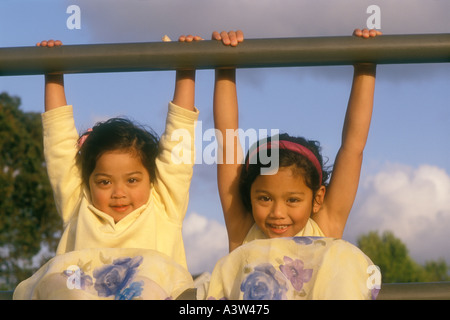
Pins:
x,y
232,38
366,33
189,38
49,43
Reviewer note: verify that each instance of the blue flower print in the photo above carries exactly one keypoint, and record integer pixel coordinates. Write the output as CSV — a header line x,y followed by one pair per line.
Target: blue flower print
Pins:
x,y
113,278
294,271
305,240
374,293
264,283
134,290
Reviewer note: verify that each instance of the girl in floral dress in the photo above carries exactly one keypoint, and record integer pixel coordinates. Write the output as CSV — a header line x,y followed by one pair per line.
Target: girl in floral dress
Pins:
x,y
266,207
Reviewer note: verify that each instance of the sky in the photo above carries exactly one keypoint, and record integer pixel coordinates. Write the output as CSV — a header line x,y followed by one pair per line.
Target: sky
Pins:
x,y
405,180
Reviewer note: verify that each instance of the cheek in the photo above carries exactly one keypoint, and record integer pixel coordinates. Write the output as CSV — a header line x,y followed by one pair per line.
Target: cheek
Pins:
x,y
99,197
301,215
259,212
143,195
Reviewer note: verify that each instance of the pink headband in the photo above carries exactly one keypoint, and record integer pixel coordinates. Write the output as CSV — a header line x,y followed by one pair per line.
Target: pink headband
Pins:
x,y
289,145
84,137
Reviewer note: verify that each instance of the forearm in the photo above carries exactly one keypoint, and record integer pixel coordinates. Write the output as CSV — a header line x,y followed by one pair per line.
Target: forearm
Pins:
x,y
226,118
184,94
225,100
54,91
230,156
359,110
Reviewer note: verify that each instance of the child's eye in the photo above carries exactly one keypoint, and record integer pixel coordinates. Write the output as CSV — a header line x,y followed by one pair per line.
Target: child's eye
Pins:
x,y
103,182
264,198
293,200
132,180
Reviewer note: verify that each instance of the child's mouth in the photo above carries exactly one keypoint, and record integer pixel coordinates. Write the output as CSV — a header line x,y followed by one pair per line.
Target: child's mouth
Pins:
x,y
278,229
120,208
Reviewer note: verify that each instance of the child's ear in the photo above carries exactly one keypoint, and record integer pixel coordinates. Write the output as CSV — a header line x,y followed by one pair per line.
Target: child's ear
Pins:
x,y
318,199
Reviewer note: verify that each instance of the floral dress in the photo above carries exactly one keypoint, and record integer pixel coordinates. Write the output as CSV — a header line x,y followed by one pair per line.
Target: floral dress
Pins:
x,y
112,274
295,268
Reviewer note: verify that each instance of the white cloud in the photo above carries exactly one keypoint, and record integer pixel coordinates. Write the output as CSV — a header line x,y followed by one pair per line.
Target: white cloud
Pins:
x,y
205,241
413,203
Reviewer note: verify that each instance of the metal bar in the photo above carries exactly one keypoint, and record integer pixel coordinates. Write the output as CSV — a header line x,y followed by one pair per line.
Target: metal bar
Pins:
x,y
6,295
252,53
415,291
389,291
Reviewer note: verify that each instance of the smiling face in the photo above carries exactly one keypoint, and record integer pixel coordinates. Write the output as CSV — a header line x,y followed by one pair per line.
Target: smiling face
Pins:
x,y
119,184
282,203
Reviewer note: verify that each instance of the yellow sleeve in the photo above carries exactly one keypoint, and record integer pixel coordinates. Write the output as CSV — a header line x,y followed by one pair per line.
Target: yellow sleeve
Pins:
x,y
174,164
60,148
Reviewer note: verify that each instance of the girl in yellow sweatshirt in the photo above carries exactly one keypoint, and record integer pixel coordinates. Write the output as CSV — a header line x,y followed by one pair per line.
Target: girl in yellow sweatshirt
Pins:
x,y
118,186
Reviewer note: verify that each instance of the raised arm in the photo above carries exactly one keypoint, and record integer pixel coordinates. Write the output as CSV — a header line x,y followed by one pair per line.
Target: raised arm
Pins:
x,y
176,147
60,140
344,182
54,83
226,119
184,94
54,91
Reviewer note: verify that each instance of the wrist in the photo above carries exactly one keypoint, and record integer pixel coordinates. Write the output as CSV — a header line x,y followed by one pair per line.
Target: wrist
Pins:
x,y
184,94
365,68
187,74
57,78
226,74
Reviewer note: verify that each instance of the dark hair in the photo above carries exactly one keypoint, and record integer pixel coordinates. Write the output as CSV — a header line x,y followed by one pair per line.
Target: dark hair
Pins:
x,y
117,134
286,158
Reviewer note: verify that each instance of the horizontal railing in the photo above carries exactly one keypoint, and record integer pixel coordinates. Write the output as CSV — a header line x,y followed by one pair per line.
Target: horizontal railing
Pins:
x,y
252,53
415,291
389,291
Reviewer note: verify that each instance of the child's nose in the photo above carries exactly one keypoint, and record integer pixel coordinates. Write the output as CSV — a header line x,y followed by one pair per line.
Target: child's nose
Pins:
x,y
118,191
277,210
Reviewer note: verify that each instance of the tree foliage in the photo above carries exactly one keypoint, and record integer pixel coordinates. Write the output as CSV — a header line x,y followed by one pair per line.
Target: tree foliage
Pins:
x,y
392,256
28,218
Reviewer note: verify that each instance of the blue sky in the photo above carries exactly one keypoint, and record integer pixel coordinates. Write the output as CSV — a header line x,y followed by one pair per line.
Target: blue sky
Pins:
x,y
405,182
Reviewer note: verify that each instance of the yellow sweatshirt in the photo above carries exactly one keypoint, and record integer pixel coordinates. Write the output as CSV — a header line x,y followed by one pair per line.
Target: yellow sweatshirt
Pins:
x,y
156,225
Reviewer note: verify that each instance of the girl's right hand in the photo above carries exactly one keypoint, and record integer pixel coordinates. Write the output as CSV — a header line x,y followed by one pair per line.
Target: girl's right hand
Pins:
x,y
51,77
366,68
49,43
367,33
231,38
189,38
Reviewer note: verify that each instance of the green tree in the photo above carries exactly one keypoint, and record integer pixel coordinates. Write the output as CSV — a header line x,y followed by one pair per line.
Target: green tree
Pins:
x,y
392,256
437,271
28,218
